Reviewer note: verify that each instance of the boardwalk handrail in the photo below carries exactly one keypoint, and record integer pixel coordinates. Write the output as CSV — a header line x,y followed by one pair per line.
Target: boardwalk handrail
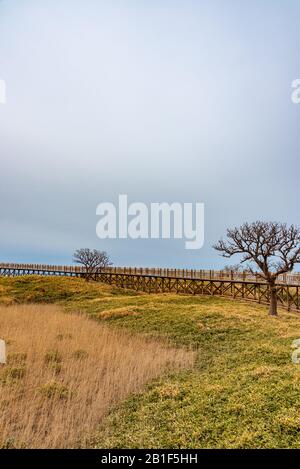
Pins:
x,y
292,278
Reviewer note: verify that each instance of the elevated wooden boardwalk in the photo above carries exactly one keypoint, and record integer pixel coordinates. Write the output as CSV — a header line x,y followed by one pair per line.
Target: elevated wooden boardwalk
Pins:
x,y
171,281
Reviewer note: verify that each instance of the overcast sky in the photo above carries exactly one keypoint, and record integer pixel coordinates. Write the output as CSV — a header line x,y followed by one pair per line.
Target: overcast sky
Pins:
x,y
162,100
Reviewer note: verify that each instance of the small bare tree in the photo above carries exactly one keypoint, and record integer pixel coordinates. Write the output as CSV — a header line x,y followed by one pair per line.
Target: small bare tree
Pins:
x,y
273,247
232,268
92,260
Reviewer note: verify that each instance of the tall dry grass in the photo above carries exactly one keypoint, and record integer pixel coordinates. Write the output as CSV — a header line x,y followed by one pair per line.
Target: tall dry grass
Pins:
x,y
64,372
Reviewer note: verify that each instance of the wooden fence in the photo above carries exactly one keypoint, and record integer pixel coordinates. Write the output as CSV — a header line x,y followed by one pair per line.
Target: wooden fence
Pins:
x,y
288,295
289,279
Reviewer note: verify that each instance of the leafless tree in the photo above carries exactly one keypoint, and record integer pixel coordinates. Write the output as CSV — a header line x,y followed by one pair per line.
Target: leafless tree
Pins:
x,y
92,260
273,247
232,268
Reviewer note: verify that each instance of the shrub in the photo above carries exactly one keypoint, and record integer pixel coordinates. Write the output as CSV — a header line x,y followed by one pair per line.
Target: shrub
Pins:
x,y
54,389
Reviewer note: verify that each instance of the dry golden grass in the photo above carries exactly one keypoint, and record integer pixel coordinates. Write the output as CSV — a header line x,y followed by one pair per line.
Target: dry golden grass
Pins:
x,y
119,312
65,372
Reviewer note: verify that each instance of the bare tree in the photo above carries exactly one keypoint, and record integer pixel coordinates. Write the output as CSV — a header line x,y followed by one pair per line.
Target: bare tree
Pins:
x,y
92,260
273,247
232,268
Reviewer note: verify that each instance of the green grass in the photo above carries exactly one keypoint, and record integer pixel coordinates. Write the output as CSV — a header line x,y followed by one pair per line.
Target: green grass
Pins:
x,y
244,391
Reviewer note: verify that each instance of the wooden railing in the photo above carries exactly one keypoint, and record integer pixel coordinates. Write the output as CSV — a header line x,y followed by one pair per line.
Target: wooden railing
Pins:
x,y
289,279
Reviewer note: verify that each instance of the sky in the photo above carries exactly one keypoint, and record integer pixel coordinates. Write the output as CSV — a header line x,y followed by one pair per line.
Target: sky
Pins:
x,y
165,101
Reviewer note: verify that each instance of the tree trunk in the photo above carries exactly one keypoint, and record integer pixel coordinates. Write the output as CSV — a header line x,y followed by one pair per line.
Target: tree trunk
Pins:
x,y
273,299
87,274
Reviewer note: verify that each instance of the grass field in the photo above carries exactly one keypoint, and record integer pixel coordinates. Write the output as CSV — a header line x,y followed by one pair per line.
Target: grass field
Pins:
x,y
243,392
64,372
